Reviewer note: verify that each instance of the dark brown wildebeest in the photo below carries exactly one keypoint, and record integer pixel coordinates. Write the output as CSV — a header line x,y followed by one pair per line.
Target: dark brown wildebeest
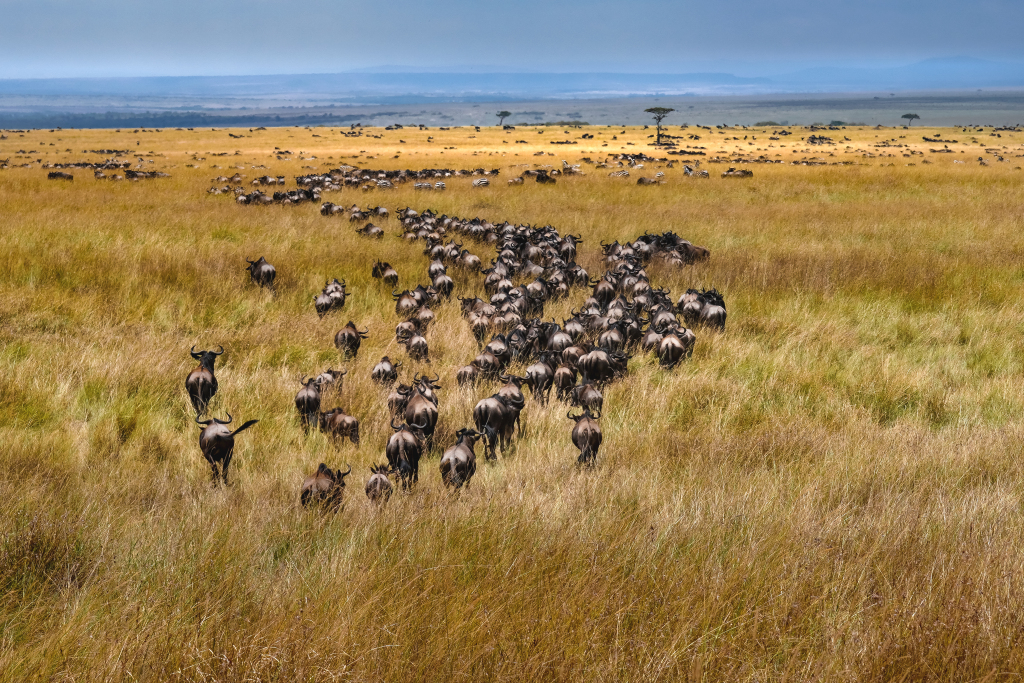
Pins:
x,y
424,317
672,349
458,464
59,175
217,443
586,435
416,347
261,272
421,408
384,271
326,487
467,375
370,230
399,398
496,417
385,372
407,329
201,384
348,339
330,380
541,375
564,381
337,425
404,449
307,401
489,364
587,396
689,305
444,285
436,268
406,303
379,488
713,312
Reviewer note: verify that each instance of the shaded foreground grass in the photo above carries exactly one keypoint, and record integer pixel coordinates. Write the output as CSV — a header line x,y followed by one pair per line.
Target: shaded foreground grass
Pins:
x,y
830,489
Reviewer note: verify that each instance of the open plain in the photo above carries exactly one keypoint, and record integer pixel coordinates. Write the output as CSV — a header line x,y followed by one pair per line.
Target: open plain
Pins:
x,y
831,488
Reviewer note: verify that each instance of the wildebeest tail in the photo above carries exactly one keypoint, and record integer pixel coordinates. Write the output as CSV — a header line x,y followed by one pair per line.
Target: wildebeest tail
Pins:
x,y
245,426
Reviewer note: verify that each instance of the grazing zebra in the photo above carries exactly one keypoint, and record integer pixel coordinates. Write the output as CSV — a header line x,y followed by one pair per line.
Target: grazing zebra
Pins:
x,y
688,170
423,186
439,186
619,174
482,182
385,185
659,174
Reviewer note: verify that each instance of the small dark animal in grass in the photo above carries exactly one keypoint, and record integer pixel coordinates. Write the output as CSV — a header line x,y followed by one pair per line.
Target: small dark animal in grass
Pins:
x,y
217,443
59,175
458,464
325,488
384,271
385,372
371,230
379,488
261,272
348,339
467,375
307,401
564,381
201,384
586,435
404,449
337,425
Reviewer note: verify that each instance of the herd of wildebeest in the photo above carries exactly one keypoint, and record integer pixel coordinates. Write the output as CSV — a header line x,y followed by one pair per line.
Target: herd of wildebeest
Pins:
x,y
623,314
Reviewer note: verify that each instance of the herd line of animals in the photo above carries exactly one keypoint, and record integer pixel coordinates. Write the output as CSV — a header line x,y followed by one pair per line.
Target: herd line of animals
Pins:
x,y
622,315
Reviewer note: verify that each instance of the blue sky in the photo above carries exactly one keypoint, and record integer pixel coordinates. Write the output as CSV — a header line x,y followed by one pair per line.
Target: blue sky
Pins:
x,y
66,38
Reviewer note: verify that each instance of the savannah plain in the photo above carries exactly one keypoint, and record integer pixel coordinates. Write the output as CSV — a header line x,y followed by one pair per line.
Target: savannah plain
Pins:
x,y
830,489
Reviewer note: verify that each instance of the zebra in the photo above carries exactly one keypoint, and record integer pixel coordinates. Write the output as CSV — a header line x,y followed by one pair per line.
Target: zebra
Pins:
x,y
423,186
619,174
482,182
659,174
385,185
688,170
439,186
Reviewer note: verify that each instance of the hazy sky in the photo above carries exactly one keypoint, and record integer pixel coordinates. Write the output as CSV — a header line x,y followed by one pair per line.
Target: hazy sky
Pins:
x,y
54,38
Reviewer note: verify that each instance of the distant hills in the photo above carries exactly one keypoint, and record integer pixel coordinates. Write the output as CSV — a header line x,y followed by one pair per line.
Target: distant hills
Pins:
x,y
390,84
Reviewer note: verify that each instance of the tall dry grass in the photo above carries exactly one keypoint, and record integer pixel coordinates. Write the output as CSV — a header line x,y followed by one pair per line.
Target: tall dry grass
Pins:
x,y
830,489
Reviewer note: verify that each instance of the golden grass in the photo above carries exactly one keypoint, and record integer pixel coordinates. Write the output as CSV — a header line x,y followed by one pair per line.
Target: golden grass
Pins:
x,y
830,489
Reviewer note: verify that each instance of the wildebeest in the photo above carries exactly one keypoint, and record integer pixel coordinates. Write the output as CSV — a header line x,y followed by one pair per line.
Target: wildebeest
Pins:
x,y
495,417
541,375
384,271
326,487
417,348
371,230
217,443
201,384
587,396
458,464
564,380
307,401
337,425
385,372
467,375
379,488
586,435
348,339
330,380
404,449
59,175
261,272
332,297
713,313
421,407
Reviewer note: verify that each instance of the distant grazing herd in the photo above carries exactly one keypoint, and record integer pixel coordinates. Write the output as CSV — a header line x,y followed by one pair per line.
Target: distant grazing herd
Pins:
x,y
622,314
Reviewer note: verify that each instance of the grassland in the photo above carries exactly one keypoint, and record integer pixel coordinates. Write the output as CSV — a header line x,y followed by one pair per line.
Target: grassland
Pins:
x,y
831,489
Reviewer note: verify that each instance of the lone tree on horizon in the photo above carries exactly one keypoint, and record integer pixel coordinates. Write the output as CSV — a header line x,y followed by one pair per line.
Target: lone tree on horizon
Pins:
x,y
910,118
502,115
659,113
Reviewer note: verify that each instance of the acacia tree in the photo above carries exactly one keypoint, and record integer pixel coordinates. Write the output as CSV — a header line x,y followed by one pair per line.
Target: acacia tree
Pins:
x,y
658,114
502,115
910,118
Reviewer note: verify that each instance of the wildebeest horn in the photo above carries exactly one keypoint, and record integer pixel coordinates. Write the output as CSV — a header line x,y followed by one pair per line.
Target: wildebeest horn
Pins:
x,y
393,425
203,422
302,380
423,426
342,374
217,353
193,353
222,422
569,415
394,294
342,475
437,378
397,365
248,261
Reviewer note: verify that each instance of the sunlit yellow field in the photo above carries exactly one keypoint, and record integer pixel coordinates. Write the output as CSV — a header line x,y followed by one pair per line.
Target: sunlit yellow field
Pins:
x,y
831,488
